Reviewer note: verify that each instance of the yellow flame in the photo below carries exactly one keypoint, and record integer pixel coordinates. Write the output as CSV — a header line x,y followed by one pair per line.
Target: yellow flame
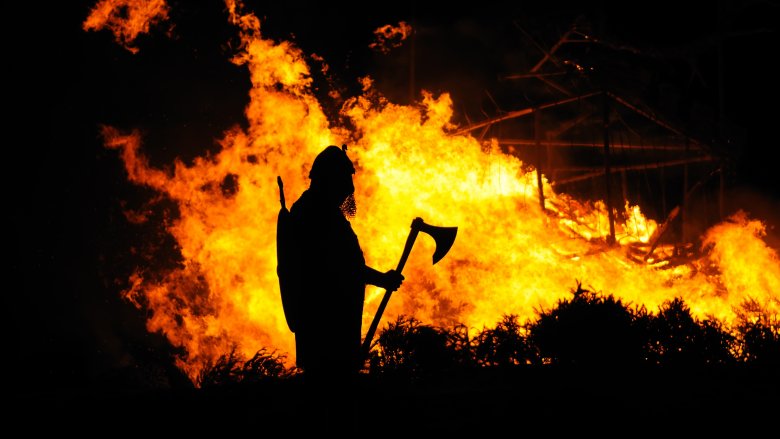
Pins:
x,y
126,19
509,257
747,267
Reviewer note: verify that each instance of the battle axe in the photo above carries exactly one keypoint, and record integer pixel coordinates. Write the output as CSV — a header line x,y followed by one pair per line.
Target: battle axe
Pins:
x,y
443,236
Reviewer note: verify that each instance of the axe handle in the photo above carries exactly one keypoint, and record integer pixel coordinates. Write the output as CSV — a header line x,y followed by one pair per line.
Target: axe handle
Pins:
x,y
375,323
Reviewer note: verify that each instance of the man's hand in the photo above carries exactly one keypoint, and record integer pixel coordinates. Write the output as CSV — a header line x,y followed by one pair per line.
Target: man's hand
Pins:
x,y
389,280
392,280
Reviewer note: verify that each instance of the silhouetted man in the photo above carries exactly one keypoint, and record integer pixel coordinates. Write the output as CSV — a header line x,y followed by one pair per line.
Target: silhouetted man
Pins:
x,y
332,275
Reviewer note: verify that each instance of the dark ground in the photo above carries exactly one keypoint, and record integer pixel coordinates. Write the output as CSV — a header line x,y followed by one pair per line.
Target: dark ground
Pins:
x,y
547,401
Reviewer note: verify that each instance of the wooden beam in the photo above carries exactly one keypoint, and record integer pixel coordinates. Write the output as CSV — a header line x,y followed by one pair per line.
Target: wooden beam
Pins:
x,y
549,55
684,206
607,173
598,171
521,113
534,75
538,137
659,232
552,84
721,196
564,144
652,118
569,124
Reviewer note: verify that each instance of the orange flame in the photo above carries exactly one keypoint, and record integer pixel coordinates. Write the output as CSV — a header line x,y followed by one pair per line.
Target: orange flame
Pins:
x,y
126,19
509,257
389,37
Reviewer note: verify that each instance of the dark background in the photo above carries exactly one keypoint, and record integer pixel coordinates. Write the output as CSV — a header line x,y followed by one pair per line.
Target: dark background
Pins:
x,y
69,240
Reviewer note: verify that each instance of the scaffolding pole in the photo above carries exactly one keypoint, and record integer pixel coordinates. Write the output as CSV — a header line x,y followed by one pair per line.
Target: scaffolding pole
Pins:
x,y
537,137
521,113
599,171
607,174
659,232
561,144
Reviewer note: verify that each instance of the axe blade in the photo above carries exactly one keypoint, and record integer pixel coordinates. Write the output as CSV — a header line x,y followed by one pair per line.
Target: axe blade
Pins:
x,y
443,236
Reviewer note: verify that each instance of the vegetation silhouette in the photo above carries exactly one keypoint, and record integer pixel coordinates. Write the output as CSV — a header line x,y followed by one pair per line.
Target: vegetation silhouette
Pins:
x,y
590,359
231,369
505,346
676,339
758,338
409,349
588,330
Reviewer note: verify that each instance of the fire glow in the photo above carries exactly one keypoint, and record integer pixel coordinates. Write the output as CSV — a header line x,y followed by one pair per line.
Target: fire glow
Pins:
x,y
510,256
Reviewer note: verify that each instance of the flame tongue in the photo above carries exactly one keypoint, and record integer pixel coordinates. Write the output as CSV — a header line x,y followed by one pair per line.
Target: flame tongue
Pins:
x,y
510,257
127,19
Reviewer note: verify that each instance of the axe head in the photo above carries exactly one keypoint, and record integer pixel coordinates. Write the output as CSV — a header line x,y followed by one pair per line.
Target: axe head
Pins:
x,y
443,236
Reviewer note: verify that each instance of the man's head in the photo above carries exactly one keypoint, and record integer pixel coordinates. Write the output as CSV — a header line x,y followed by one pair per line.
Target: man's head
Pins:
x,y
331,175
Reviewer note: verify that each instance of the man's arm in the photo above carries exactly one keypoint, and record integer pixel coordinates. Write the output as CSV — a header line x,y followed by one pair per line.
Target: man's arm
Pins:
x,y
390,280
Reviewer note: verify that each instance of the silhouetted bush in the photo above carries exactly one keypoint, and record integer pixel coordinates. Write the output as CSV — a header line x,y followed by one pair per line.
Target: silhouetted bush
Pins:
x,y
265,364
760,342
588,330
226,370
504,346
717,345
232,369
411,349
677,339
460,346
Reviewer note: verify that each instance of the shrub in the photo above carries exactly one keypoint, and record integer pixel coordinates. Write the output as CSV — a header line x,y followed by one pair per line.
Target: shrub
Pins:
x,y
232,369
677,339
411,349
504,346
588,330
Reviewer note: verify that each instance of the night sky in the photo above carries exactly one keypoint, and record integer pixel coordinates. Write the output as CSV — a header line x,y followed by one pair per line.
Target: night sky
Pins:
x,y
69,325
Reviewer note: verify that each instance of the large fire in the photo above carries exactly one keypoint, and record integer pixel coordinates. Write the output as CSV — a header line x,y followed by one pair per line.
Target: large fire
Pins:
x,y
510,257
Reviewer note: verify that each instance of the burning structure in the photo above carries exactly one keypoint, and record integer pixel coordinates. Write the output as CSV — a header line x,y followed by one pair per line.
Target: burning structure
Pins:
x,y
532,220
588,129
